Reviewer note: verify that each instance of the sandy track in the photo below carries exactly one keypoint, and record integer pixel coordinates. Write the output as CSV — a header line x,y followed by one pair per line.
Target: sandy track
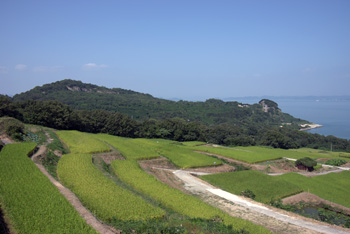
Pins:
x,y
70,196
276,220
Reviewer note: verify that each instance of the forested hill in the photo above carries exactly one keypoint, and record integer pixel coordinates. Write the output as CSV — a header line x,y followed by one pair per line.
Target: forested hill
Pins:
x,y
139,106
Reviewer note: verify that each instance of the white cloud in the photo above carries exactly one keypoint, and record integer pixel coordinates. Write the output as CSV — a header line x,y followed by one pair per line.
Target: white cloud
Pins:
x,y
21,67
47,68
3,69
93,66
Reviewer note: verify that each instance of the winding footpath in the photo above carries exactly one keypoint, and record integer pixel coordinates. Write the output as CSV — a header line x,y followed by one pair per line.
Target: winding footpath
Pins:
x,y
70,196
195,185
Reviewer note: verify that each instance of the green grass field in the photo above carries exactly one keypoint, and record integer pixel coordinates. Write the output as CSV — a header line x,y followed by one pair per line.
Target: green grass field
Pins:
x,y
250,154
100,194
141,148
256,154
82,143
131,148
334,187
130,172
314,153
193,143
31,202
185,158
265,187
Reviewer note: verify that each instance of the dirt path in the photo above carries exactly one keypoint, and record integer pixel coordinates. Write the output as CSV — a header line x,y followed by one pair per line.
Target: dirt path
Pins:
x,y
5,139
70,196
276,220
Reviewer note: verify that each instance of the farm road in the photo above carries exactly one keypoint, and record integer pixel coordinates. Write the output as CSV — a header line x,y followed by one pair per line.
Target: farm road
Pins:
x,y
279,222
70,196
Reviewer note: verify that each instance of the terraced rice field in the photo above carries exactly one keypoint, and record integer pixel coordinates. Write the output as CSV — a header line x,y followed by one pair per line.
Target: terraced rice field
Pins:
x,y
250,154
334,187
185,158
30,200
256,154
315,153
265,187
182,157
130,172
131,148
82,143
100,194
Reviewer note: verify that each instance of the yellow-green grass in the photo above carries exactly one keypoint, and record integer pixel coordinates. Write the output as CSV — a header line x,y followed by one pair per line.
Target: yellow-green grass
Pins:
x,y
131,148
265,187
315,153
256,154
250,154
193,143
141,148
30,201
130,172
101,195
80,142
185,158
334,187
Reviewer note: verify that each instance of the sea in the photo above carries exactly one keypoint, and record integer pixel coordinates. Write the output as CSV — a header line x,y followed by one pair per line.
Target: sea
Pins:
x,y
333,112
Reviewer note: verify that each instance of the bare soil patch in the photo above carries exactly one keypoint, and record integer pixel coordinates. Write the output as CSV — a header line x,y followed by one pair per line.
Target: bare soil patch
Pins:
x,y
346,164
160,162
111,156
163,169
6,139
230,160
214,169
312,199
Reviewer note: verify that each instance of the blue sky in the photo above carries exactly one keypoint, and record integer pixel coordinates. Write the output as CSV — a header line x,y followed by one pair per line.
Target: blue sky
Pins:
x,y
185,49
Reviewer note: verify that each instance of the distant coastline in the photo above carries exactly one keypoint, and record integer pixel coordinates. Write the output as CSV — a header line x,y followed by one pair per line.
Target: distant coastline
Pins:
x,y
306,127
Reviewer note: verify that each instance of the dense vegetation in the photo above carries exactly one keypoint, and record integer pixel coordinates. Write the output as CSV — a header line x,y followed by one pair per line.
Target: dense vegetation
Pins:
x,y
81,96
31,202
130,114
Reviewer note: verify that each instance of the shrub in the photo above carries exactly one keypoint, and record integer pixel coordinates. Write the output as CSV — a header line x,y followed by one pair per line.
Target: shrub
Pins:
x,y
335,162
13,127
248,193
306,164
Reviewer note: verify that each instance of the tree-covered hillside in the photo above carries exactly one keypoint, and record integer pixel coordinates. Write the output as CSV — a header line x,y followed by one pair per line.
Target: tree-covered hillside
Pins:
x,y
139,106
